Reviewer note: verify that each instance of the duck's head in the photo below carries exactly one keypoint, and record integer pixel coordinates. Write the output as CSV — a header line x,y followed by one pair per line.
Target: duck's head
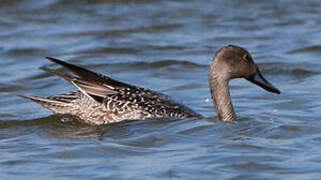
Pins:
x,y
236,62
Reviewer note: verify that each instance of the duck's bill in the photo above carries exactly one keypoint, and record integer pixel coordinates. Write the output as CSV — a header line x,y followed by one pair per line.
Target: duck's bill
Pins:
x,y
259,80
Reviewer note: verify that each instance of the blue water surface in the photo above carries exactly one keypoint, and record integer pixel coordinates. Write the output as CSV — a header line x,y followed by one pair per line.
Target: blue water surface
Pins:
x,y
165,46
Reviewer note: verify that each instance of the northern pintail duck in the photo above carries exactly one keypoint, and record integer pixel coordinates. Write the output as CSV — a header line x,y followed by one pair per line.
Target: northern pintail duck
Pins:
x,y
103,100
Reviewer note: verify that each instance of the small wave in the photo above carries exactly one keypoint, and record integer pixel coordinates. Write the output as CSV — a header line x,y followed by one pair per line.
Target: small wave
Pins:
x,y
165,63
309,49
121,51
164,48
110,51
154,28
146,65
25,52
289,69
9,87
117,32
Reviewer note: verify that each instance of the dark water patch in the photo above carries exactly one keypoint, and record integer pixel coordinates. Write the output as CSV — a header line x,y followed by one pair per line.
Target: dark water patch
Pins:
x,y
110,51
284,132
309,49
37,76
289,69
165,48
5,115
155,28
168,63
291,22
183,87
112,33
195,130
9,88
154,140
92,32
25,52
26,5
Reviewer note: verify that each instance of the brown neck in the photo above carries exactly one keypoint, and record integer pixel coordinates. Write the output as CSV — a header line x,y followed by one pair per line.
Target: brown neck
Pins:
x,y
221,97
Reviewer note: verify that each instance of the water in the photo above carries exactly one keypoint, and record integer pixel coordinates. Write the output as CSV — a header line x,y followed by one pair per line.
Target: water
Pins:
x,y
166,46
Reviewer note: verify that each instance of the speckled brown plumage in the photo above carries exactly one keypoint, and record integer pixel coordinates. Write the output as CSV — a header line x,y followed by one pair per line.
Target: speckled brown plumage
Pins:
x,y
102,100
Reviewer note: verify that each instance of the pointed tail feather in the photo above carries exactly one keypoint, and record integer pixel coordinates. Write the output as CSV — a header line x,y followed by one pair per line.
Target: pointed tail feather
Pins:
x,y
51,103
87,74
79,71
60,74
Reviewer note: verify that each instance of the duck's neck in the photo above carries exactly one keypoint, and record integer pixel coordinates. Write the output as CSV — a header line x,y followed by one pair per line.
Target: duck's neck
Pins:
x,y
221,97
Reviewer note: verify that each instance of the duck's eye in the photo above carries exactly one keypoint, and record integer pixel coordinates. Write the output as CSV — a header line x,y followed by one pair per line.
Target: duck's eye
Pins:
x,y
247,57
